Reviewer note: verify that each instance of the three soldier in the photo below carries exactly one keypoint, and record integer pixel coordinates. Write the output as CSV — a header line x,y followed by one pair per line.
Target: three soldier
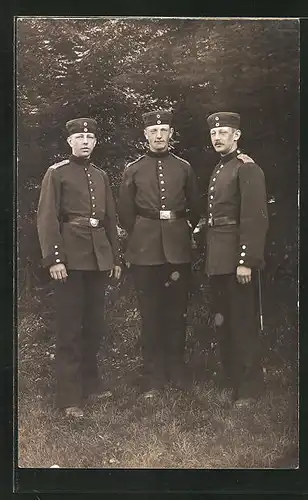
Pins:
x,y
159,207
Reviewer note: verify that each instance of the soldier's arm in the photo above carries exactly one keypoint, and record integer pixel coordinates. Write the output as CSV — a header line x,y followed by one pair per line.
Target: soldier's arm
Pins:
x,y
48,224
193,198
253,215
111,221
126,204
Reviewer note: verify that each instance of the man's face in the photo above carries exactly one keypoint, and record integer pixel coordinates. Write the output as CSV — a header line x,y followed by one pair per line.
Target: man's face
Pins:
x,y
224,139
82,144
158,137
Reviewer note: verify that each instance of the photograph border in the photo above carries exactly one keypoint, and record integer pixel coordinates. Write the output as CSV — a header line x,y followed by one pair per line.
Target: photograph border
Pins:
x,y
220,481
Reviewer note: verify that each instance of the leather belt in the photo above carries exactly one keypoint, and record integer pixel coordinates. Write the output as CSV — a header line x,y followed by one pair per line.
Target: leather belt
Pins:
x,y
161,214
80,220
221,221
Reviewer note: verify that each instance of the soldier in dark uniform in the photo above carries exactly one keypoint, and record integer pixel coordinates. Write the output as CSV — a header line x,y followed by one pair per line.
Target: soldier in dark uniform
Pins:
x,y
159,208
77,230
237,227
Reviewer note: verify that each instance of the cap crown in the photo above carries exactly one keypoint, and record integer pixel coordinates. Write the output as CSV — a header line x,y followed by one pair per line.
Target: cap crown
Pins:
x,y
163,117
83,125
224,119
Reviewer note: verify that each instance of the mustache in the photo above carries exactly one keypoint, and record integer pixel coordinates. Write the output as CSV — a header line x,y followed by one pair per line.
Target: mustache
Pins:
x,y
218,144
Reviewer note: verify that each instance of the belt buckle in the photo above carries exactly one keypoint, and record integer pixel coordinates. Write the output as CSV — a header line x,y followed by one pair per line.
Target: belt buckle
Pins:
x,y
210,221
165,214
94,222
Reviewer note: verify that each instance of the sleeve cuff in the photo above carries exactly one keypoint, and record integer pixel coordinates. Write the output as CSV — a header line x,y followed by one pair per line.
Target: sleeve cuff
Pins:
x,y
56,257
247,260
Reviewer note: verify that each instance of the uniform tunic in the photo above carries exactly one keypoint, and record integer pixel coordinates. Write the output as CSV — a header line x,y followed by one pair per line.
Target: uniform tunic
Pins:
x,y
236,193
76,187
72,189
155,182
160,254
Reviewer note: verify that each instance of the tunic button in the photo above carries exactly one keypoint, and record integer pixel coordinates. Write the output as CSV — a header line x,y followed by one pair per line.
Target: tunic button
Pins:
x,y
91,189
58,260
212,188
56,246
241,261
56,253
211,197
162,182
163,206
93,205
211,205
163,197
93,197
214,179
89,175
210,214
160,168
90,182
163,189
243,247
93,213
159,162
161,175
243,254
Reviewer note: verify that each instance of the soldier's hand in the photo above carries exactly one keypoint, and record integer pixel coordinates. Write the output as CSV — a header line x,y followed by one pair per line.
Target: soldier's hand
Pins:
x,y
116,271
243,274
58,272
245,158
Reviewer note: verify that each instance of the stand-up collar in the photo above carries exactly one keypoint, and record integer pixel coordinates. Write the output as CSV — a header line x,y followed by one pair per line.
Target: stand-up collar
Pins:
x,y
230,156
162,154
80,160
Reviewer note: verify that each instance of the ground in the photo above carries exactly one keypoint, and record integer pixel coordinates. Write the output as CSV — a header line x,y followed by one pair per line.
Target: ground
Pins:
x,y
197,428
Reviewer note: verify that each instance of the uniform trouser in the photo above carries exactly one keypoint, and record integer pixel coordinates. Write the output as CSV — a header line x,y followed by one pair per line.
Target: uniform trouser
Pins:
x,y
80,326
162,292
236,320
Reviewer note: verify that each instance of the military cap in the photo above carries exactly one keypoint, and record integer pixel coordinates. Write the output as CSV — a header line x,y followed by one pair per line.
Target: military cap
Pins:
x,y
224,119
81,125
157,118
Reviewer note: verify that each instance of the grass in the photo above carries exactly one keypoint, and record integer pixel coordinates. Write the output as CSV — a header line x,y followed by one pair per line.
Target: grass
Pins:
x,y
192,429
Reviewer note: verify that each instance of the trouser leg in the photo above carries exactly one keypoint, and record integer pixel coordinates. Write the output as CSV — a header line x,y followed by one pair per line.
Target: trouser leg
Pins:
x,y
220,305
69,297
147,280
175,298
248,375
93,328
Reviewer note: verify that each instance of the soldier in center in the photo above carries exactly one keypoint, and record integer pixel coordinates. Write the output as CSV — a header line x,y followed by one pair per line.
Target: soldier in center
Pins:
x,y
159,208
